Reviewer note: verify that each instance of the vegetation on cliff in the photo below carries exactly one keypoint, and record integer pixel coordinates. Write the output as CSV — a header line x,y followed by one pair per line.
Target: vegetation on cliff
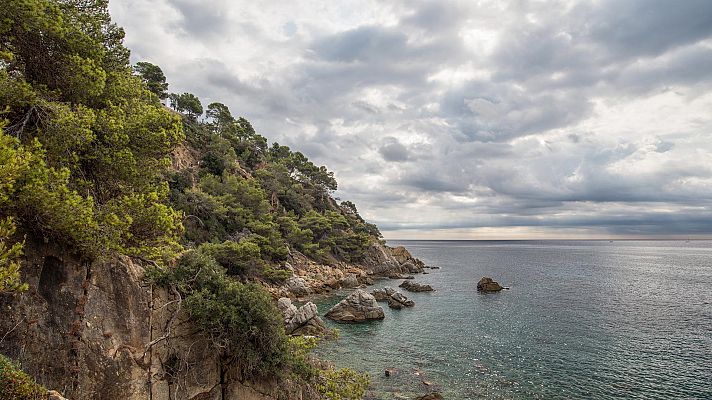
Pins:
x,y
16,385
92,160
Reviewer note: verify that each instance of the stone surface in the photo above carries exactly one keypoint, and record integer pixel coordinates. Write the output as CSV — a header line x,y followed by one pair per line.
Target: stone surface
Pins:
x,y
94,331
395,299
487,285
415,287
297,286
430,396
350,281
304,320
359,306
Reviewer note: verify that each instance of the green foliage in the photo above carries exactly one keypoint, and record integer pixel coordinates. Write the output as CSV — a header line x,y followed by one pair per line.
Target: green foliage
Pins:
x,y
10,259
186,103
242,320
153,77
17,385
342,384
86,143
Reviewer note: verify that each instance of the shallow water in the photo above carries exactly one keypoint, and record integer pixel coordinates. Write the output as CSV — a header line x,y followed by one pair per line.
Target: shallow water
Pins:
x,y
583,320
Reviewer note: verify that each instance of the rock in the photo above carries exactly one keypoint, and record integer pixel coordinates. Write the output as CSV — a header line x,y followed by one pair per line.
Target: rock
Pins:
x,y
297,286
304,320
383,294
430,396
54,395
396,300
415,287
487,285
400,276
394,304
350,281
401,254
400,298
390,371
359,306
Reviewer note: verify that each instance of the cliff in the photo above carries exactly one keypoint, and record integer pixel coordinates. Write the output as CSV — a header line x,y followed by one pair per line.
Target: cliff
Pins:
x,y
96,330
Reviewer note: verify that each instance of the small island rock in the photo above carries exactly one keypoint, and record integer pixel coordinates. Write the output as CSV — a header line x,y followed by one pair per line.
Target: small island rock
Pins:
x,y
359,306
487,285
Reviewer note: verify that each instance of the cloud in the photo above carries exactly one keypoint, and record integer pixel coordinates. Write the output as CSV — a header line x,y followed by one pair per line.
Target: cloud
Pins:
x,y
467,118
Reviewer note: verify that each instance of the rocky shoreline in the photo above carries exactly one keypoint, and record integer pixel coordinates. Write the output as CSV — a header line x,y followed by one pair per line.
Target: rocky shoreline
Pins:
x,y
311,280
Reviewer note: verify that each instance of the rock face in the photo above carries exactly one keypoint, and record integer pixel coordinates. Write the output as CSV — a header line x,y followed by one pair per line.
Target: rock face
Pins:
x,y
350,281
297,286
93,330
304,320
395,299
416,287
359,306
487,285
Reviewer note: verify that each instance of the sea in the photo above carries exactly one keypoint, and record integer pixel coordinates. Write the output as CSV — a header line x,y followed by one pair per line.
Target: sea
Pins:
x,y
579,320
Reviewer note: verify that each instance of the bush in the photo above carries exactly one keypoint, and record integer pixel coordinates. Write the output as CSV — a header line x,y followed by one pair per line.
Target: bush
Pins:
x,y
343,384
17,385
241,320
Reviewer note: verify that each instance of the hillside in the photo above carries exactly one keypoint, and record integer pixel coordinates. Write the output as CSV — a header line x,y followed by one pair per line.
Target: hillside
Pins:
x,y
142,247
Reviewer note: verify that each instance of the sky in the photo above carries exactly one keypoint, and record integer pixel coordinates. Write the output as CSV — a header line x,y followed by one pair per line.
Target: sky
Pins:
x,y
466,120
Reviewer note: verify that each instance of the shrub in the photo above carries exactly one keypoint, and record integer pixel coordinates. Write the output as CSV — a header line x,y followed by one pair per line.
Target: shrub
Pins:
x,y
17,385
241,320
343,384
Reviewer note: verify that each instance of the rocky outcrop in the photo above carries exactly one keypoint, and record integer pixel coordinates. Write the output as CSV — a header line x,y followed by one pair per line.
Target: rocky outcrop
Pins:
x,y
415,286
296,286
487,285
359,306
395,299
407,261
97,331
350,281
304,320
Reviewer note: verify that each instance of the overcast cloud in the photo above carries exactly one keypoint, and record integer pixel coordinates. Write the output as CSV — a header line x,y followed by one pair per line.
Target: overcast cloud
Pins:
x,y
470,119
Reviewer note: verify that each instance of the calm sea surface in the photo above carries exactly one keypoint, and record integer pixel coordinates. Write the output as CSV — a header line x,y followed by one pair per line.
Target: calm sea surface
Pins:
x,y
582,320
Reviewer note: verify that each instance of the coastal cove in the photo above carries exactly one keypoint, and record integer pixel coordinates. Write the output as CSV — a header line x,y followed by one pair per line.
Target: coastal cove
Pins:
x,y
583,319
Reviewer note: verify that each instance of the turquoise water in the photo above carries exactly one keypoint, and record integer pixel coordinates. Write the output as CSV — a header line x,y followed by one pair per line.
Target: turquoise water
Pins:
x,y
582,320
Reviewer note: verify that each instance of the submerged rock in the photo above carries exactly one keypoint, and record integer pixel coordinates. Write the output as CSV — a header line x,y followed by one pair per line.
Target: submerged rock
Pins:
x,y
415,287
359,306
488,285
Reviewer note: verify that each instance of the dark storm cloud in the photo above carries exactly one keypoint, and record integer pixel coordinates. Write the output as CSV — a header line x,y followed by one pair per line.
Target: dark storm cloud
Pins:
x,y
455,115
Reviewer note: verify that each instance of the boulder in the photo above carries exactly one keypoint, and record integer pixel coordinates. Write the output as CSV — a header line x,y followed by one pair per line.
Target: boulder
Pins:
x,y
487,285
349,281
396,300
394,304
359,306
304,320
415,287
383,294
